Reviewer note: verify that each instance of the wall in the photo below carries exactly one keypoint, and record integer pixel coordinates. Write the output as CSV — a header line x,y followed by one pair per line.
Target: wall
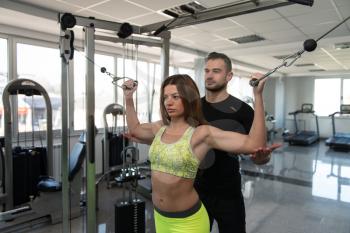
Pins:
x,y
279,103
269,96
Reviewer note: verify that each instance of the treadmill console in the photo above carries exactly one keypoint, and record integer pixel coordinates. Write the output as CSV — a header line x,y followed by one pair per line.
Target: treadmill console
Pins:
x,y
345,109
307,108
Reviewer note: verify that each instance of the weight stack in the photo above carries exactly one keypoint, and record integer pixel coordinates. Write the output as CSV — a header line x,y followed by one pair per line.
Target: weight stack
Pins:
x,y
130,217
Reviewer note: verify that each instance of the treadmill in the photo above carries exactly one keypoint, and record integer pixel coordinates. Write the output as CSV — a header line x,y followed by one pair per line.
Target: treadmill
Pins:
x,y
339,141
303,137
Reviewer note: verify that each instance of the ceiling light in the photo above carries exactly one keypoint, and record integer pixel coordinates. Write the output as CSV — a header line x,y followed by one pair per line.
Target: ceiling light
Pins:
x,y
305,64
182,10
247,39
316,70
280,57
334,59
340,46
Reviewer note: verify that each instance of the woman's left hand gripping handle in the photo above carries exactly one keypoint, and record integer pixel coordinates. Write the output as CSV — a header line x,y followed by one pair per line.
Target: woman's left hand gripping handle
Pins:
x,y
129,87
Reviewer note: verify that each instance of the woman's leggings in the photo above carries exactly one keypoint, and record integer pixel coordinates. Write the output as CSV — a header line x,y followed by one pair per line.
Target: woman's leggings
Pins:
x,y
193,220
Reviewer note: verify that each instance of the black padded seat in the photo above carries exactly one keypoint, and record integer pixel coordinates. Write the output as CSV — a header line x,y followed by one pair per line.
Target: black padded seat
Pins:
x,y
49,184
76,159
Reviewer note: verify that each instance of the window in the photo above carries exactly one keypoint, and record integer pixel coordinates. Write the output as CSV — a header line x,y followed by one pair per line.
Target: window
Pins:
x,y
42,65
144,91
156,95
171,70
104,89
130,72
187,71
3,78
325,104
240,88
145,75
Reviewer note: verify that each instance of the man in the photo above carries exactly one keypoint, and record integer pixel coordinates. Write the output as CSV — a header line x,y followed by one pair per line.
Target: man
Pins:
x,y
218,181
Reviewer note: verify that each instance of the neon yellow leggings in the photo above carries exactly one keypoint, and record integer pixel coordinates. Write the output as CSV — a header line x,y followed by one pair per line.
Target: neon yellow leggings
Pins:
x,y
183,222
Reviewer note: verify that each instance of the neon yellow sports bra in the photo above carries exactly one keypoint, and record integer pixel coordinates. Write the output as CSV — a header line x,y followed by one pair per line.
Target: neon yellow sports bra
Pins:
x,y
175,158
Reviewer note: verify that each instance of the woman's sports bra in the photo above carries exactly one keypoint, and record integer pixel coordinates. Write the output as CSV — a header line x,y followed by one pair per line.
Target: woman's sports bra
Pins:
x,y
174,158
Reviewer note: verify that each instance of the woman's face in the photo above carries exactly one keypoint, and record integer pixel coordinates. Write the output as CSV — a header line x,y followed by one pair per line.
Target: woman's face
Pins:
x,y
173,102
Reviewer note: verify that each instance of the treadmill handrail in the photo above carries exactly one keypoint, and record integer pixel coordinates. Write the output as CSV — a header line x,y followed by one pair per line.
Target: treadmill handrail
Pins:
x,y
299,112
333,118
333,114
294,113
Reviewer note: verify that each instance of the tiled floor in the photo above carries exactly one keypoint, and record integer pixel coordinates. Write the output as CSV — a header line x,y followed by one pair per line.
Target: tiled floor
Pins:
x,y
302,189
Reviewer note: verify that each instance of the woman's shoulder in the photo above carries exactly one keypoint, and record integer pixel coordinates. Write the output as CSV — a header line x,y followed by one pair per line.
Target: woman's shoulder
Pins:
x,y
156,126
201,131
200,138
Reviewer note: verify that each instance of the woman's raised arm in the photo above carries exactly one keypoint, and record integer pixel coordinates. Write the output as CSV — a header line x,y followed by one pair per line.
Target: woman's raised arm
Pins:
x,y
143,133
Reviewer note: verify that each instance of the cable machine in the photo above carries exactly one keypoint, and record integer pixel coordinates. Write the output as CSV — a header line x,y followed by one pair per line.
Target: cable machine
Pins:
x,y
124,30
29,88
112,142
30,194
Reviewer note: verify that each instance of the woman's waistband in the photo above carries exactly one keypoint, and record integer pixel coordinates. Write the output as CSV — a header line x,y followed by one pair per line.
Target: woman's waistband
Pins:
x,y
180,214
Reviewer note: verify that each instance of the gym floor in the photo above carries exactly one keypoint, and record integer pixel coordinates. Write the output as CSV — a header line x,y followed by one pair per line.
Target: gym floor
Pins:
x,y
302,189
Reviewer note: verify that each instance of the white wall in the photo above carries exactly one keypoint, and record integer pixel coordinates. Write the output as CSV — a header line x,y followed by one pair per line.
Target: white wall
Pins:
x,y
269,96
298,90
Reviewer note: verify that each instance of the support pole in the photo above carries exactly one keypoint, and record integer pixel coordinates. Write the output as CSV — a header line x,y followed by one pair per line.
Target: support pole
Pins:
x,y
90,129
164,56
64,44
65,152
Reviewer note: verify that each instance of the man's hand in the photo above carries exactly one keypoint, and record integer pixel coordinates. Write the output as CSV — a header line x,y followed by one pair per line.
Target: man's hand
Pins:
x,y
262,155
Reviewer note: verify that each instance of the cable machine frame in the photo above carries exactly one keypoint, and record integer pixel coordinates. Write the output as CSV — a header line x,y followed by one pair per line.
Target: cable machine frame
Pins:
x,y
89,26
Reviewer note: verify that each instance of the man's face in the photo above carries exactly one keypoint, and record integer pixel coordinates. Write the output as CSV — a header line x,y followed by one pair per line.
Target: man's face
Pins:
x,y
216,75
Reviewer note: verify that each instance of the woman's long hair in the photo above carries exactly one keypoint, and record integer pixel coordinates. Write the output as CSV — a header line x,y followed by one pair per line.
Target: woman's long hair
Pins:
x,y
190,97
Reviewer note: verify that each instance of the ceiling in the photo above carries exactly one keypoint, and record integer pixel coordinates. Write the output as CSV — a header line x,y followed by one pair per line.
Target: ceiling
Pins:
x,y
284,30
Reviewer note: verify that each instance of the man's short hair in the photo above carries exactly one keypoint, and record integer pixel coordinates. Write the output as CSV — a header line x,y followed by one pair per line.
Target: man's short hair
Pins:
x,y
226,59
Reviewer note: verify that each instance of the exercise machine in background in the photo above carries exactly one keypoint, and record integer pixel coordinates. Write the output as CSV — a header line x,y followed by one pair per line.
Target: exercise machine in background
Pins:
x,y
303,137
24,164
112,143
339,141
270,127
30,196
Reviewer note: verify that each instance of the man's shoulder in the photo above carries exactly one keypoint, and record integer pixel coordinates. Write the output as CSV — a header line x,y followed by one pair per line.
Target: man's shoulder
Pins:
x,y
236,101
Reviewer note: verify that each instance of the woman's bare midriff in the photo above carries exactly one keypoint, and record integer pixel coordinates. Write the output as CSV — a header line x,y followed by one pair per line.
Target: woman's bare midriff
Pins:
x,y
172,193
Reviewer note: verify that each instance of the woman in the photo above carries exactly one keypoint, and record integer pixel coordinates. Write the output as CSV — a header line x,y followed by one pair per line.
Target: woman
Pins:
x,y
179,143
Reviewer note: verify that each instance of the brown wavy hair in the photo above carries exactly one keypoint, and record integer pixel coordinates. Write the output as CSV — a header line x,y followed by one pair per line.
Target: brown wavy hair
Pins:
x,y
190,97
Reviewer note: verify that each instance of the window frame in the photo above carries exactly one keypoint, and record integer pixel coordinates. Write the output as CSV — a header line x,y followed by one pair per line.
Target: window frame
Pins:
x,y
342,90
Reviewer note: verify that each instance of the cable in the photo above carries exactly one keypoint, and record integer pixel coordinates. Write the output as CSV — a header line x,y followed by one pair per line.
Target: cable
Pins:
x,y
309,46
115,78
